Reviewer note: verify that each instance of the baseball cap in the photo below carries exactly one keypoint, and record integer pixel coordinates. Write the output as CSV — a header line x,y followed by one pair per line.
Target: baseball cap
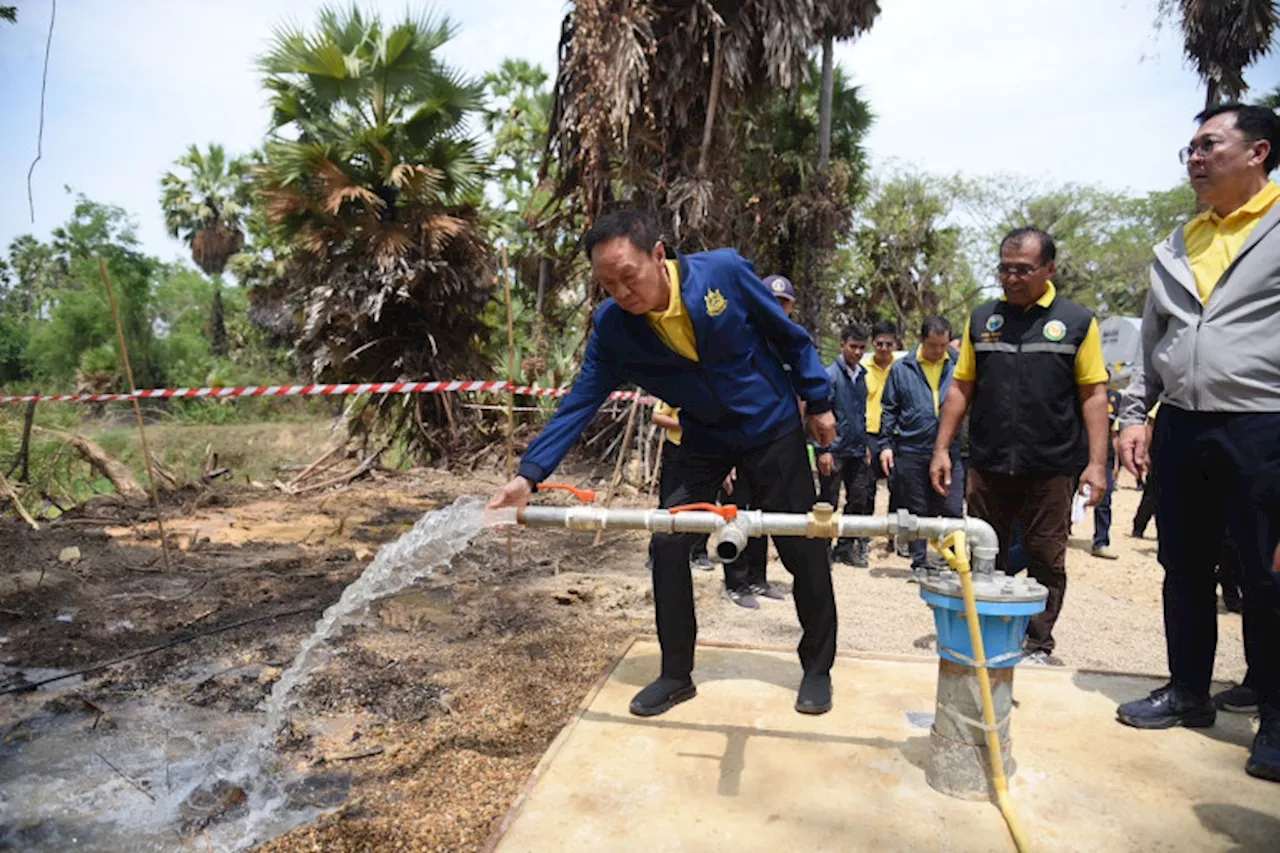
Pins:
x,y
781,287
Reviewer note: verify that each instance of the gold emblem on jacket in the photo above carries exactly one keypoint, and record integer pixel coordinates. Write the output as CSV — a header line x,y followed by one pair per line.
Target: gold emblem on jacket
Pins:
x,y
716,303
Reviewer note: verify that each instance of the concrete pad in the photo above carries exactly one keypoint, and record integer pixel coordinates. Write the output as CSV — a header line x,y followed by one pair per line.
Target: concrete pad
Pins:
x,y
737,769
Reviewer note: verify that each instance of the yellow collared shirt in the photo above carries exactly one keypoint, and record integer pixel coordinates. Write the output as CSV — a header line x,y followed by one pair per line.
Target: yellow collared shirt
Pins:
x,y
933,373
1214,241
663,408
1091,367
673,326
876,377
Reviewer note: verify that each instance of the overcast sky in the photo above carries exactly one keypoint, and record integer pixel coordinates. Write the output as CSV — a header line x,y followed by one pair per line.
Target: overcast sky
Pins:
x,y
1061,90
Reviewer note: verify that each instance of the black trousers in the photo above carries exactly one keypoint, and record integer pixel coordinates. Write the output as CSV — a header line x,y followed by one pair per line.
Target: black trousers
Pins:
x,y
916,494
1219,476
852,472
876,475
1147,506
780,481
751,565
670,461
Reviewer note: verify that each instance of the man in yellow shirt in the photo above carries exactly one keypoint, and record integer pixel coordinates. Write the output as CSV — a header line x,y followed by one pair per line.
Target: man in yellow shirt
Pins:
x,y
1032,377
884,345
1211,356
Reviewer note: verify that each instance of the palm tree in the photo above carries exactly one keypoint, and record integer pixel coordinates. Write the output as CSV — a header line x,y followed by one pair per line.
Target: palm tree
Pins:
x,y
1222,38
371,181
204,208
840,19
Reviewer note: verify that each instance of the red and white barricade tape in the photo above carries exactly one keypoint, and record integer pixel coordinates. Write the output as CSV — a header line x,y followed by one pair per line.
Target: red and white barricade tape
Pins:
x,y
315,390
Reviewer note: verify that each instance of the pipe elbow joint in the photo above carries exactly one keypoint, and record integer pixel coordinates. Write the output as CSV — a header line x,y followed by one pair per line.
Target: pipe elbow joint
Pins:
x,y
984,542
729,541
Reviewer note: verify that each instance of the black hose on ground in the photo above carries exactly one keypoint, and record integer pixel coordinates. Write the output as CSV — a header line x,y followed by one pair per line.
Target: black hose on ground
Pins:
x,y
26,688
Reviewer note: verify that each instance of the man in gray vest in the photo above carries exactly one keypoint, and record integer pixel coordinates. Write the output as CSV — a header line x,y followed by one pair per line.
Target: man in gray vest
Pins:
x,y
1031,367
1211,356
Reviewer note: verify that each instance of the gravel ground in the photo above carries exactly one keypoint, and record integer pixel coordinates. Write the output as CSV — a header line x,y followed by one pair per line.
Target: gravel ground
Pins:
x,y
1111,618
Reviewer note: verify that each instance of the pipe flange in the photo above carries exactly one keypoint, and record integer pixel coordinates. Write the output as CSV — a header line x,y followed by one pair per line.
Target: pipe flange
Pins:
x,y
995,587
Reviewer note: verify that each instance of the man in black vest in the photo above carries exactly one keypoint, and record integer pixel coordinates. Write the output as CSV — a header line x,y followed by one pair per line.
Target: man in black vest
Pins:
x,y
1031,368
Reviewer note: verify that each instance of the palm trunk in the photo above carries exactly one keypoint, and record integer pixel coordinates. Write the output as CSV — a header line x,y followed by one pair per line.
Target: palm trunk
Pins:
x,y
713,101
217,322
1213,94
824,102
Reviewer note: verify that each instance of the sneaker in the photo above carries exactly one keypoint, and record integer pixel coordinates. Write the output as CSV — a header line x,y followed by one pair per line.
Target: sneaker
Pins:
x,y
843,554
1105,553
1041,658
1238,700
742,598
860,558
702,563
1264,757
662,695
903,551
919,574
1167,707
766,590
814,696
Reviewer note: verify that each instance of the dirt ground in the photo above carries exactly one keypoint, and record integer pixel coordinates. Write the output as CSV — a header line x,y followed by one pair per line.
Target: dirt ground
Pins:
x,y
441,707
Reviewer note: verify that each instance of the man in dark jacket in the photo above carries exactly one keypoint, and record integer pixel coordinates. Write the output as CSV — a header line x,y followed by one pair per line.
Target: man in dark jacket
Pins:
x,y
913,395
703,333
847,461
1032,378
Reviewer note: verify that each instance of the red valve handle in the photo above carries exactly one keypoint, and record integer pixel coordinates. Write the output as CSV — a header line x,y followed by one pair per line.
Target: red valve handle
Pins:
x,y
585,495
728,513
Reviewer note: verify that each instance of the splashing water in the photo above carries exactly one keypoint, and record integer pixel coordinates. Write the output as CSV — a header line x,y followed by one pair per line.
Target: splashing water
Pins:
x,y
223,764
432,542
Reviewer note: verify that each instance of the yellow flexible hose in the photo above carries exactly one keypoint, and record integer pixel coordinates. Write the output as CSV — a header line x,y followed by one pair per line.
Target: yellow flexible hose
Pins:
x,y
955,549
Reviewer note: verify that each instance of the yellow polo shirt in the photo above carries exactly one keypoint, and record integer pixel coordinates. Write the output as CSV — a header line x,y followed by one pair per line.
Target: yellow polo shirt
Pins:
x,y
673,326
1214,241
1091,367
933,373
662,408
876,377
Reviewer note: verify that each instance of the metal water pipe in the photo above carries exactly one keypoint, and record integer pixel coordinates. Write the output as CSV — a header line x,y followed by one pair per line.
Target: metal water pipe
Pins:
x,y
730,528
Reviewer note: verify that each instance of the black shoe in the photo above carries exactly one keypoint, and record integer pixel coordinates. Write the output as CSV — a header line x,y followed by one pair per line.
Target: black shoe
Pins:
x,y
843,554
1168,707
741,597
1233,605
815,695
1264,757
1238,700
661,696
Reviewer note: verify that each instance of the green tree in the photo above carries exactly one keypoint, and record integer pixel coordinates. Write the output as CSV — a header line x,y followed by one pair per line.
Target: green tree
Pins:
x,y
371,181
1104,238
75,317
906,259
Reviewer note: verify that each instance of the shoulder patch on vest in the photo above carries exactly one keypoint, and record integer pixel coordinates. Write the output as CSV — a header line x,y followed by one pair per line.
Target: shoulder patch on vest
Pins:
x,y
1055,330
995,322
716,303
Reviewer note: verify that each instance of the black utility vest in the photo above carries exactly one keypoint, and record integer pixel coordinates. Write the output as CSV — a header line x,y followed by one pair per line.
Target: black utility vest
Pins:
x,y
1026,416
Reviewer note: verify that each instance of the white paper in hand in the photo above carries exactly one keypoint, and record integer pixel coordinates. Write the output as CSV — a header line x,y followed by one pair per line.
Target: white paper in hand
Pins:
x,y
1078,505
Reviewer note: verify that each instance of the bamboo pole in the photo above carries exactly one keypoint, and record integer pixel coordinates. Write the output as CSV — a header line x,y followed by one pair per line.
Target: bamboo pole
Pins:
x,y
17,503
137,410
622,455
511,395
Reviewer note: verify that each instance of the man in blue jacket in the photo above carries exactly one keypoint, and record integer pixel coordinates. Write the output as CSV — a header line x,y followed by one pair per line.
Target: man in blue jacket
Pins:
x,y
703,333
913,395
846,462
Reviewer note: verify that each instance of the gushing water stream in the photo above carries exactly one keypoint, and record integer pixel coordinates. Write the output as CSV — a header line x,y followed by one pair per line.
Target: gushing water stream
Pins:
x,y
69,792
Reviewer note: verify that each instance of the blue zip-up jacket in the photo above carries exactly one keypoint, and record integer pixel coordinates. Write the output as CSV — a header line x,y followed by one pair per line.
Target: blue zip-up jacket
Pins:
x,y
736,397
849,401
909,423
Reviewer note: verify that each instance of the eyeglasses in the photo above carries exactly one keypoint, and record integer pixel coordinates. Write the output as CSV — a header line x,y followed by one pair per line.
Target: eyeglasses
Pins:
x,y
1017,270
1203,147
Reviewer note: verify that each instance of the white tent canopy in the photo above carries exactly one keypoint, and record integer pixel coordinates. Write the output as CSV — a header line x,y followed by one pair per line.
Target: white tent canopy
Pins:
x,y
1122,347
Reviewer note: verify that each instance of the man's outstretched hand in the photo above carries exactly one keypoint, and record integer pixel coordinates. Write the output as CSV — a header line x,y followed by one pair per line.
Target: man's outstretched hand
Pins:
x,y
514,494
823,428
